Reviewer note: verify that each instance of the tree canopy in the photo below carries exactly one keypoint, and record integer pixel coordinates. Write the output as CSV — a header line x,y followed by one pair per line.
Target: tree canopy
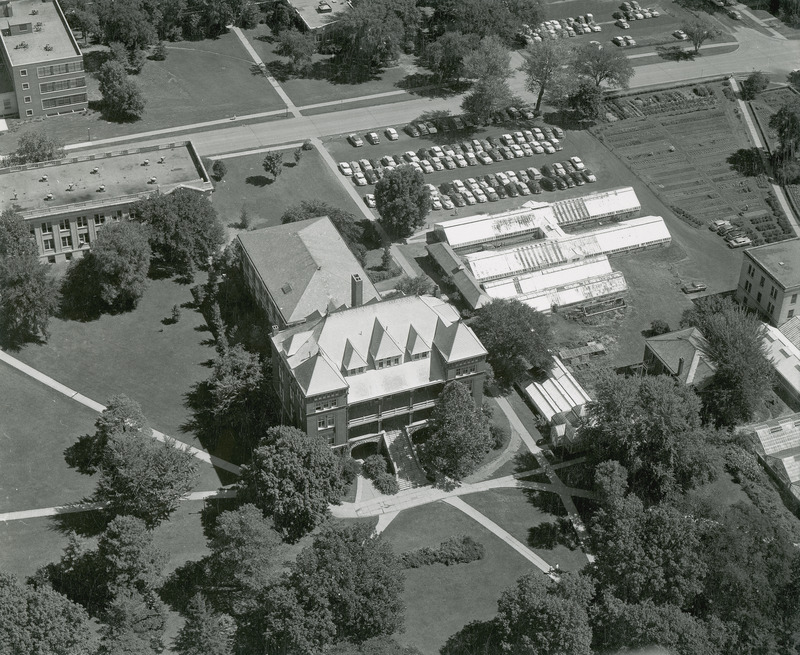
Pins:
x,y
516,337
402,201
786,123
459,433
699,30
603,65
205,631
122,97
292,478
485,17
754,84
134,625
184,229
35,147
445,56
543,68
299,47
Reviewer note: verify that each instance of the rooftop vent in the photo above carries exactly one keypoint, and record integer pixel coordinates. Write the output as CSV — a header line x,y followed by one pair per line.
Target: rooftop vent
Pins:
x,y
95,170
101,188
146,162
781,264
49,196
43,178
152,180
286,288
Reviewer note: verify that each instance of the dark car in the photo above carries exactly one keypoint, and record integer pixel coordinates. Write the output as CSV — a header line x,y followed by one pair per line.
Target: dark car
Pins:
x,y
568,181
492,195
577,178
511,190
485,144
534,186
500,191
422,128
371,175
495,142
495,154
506,152
560,183
411,130
458,199
491,179
548,184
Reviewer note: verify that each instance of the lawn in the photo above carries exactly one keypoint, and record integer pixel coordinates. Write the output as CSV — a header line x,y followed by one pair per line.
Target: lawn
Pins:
x,y
514,511
135,354
199,81
440,600
319,85
247,185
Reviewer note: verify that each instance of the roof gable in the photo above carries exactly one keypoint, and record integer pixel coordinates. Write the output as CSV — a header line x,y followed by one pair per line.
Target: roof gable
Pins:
x,y
317,376
352,358
415,344
382,345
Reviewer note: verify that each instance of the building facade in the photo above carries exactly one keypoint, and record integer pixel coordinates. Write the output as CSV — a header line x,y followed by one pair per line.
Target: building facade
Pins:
x,y
361,370
41,69
769,281
65,202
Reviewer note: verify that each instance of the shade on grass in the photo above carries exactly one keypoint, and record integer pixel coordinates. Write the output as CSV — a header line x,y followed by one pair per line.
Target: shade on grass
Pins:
x,y
439,599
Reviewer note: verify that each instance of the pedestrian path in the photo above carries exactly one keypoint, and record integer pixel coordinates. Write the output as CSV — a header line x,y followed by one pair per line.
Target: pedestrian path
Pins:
x,y
742,9
97,407
257,151
409,473
344,101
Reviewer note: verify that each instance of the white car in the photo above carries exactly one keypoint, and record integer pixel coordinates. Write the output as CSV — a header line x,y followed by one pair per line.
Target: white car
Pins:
x,y
654,13
523,189
472,160
416,166
537,132
623,24
391,134
436,202
536,147
548,147
449,163
577,162
517,151
426,166
344,168
369,199
519,137
477,146
447,203
436,163
460,161
511,175
480,196
459,186
448,151
359,179
437,151
680,35
588,175
432,129
503,178
470,199
527,150
484,158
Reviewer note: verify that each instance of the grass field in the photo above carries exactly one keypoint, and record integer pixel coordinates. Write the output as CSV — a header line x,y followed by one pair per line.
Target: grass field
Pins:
x,y
246,184
513,511
439,599
199,81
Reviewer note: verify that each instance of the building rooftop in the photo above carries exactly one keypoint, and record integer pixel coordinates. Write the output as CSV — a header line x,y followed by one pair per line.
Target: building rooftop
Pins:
x,y
48,38
559,393
321,354
66,185
596,205
781,260
685,346
779,441
784,355
791,330
306,267
310,14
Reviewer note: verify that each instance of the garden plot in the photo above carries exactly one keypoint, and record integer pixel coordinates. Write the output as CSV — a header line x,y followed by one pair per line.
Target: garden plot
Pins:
x,y
679,142
765,105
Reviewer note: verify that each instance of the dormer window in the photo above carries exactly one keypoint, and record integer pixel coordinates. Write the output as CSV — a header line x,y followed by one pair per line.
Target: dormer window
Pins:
x,y
417,356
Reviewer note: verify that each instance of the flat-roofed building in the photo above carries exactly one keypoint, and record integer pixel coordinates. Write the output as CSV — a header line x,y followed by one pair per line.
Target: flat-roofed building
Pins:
x,y
301,271
41,59
316,16
64,202
358,371
785,358
769,281
615,204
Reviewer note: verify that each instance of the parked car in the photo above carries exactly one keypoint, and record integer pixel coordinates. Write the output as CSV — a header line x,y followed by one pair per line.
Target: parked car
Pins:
x,y
560,183
588,175
534,186
432,129
559,132
436,163
472,160
548,147
461,162
447,202
458,123
355,140
511,190
421,128
371,175
740,242
577,178
449,163
619,41
527,150
680,35
359,179
629,40
496,155
373,138
391,134
548,184
344,168
427,167
527,113
622,23
523,189
534,173
484,157
469,197
410,156
500,191
411,130
458,199
369,199
523,176
693,287
577,162
436,203
507,139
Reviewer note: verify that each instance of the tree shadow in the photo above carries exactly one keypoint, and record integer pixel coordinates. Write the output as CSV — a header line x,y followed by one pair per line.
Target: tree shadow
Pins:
x,y
426,85
475,638
747,162
675,53
93,61
88,523
545,501
258,180
281,70
265,38
182,585
79,301
553,533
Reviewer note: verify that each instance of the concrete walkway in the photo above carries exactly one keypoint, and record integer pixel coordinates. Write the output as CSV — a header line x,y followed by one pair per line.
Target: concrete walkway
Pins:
x,y
344,101
97,407
90,507
745,11
257,151
496,530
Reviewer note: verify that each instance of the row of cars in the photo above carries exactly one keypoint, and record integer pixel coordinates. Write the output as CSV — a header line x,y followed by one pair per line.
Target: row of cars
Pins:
x,y
623,41
564,27
734,235
631,11
522,143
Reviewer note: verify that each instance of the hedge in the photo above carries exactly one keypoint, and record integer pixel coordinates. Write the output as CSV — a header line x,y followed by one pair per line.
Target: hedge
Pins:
x,y
453,550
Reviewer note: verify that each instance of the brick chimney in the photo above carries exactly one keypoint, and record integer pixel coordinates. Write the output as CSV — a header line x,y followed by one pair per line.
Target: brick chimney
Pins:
x,y
680,367
356,290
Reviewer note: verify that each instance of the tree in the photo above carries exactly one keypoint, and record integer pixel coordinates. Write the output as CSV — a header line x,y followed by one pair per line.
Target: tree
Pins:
x,y
374,646
36,146
603,65
119,53
735,344
292,478
134,625
651,426
586,100
143,477
459,433
122,98
786,123
15,238
219,169
402,200
421,285
36,619
699,30
486,98
491,60
346,586
128,559
344,222
127,22
747,161
205,632
160,53
540,616
659,326
543,67
184,229
516,337
299,47
273,164
485,17
117,265
235,374
369,36
793,78
445,56
788,172
754,84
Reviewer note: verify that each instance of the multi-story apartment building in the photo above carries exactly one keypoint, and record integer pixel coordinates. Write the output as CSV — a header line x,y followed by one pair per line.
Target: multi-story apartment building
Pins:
x,y
356,372
301,271
41,65
65,201
769,281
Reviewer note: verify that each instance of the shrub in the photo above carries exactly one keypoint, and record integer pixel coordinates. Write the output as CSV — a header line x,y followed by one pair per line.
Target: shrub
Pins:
x,y
500,436
219,169
350,469
453,550
658,327
386,484
741,464
307,145
374,466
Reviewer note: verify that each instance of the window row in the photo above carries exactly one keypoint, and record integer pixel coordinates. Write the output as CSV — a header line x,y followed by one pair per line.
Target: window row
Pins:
x,y
62,85
325,422
321,405
56,69
466,370
63,101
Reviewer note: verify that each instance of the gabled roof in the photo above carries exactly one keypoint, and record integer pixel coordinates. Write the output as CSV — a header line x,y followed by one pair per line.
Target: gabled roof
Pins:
x,y
456,341
382,345
352,358
415,344
687,345
317,375
306,267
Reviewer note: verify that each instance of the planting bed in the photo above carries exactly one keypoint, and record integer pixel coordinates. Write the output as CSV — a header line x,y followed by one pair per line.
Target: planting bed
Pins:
x,y
678,141
765,105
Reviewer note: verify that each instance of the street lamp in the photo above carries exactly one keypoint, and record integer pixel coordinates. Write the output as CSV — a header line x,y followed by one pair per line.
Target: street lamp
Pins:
x,y
89,133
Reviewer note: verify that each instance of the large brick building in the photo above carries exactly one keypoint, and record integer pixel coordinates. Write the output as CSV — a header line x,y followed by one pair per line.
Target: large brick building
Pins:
x,y
41,65
373,367
769,281
64,202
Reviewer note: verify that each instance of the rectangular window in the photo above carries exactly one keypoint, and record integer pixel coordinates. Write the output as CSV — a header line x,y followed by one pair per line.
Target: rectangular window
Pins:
x,y
58,69
773,293
29,112
747,286
99,219
83,239
761,284
47,228
48,245
64,224
466,370
758,297
66,242
770,307
81,221
64,101
750,270
321,423
790,314
25,86
62,85
23,72
794,298
26,99
331,421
